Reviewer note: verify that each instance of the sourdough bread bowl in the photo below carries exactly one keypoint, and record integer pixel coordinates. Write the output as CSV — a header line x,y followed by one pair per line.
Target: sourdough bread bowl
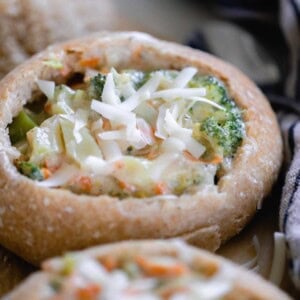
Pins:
x,y
144,270
38,221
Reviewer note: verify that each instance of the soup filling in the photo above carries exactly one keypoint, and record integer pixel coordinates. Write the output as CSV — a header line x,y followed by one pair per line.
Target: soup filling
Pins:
x,y
129,133
137,276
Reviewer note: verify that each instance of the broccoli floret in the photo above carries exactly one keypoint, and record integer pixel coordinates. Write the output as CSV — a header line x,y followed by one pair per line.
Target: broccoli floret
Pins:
x,y
96,86
222,135
215,89
68,265
221,131
19,127
186,180
56,283
30,170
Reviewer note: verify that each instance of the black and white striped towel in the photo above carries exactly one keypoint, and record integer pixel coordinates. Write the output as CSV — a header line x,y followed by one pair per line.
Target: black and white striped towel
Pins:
x,y
266,46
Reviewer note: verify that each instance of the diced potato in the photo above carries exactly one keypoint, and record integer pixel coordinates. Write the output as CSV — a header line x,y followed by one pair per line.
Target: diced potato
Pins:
x,y
78,150
134,172
45,140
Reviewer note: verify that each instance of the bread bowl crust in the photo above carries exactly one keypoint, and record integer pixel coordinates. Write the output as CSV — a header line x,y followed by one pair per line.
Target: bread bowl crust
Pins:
x,y
245,284
38,222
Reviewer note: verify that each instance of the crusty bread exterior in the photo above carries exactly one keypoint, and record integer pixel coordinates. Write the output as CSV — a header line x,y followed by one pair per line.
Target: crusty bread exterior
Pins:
x,y
246,285
38,222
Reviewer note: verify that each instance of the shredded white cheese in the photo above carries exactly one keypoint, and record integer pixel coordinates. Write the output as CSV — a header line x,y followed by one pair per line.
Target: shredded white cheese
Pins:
x,y
47,87
142,94
184,77
60,177
111,150
174,93
113,113
204,100
109,94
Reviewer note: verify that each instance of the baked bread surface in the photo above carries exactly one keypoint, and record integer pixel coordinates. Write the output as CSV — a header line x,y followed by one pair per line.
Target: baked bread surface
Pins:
x,y
39,222
242,283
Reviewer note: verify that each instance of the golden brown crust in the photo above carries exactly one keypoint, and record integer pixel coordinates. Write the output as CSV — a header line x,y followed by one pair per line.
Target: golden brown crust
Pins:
x,y
38,222
245,285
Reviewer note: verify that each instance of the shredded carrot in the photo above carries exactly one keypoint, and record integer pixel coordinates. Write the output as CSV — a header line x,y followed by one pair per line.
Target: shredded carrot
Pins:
x,y
169,292
109,262
154,269
126,186
47,108
119,164
91,62
153,153
215,160
160,188
209,269
189,156
151,134
85,183
122,184
53,166
106,124
88,293
46,173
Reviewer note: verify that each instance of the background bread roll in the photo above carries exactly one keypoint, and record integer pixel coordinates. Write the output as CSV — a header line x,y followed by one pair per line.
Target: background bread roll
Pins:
x,y
242,284
28,26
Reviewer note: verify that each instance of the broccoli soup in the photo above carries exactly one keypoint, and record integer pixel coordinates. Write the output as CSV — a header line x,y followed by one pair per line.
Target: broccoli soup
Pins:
x,y
129,133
